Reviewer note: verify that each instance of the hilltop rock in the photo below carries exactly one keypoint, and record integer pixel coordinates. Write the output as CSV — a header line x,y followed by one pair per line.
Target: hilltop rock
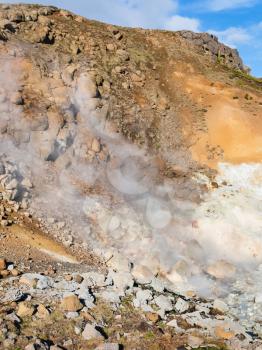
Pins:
x,y
210,44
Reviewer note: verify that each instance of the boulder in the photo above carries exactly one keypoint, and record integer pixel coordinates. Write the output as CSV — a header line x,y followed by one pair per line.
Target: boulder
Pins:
x,y
71,303
221,270
25,310
91,332
2,264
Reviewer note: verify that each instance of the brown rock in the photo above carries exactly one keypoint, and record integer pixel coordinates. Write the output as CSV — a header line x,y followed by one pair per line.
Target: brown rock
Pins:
x,y
42,311
96,147
118,36
88,317
15,272
68,277
153,317
71,303
110,47
4,273
78,279
28,281
2,264
136,78
25,310
221,332
214,184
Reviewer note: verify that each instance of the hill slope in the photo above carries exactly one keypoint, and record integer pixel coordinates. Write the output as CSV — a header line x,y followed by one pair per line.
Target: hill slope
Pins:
x,y
130,172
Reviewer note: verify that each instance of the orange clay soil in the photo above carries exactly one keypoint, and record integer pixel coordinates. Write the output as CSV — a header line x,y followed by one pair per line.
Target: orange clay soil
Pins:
x,y
232,119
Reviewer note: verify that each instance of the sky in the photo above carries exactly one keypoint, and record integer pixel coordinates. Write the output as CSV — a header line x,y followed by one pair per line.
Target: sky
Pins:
x,y
237,23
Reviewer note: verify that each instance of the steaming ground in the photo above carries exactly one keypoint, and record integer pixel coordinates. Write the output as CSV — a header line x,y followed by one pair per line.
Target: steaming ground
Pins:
x,y
123,143
119,200
122,201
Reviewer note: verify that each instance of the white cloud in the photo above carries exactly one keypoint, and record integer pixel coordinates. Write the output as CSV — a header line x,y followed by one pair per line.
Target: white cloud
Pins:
x,y
220,5
153,14
179,23
133,13
232,36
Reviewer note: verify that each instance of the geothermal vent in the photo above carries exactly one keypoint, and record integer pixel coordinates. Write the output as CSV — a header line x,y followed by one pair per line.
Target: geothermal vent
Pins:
x,y
130,187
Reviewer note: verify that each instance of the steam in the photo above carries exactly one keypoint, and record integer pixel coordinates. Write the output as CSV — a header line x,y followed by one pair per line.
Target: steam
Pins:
x,y
110,193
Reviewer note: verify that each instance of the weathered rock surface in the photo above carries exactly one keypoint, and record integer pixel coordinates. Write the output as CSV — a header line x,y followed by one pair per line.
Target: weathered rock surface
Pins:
x,y
210,44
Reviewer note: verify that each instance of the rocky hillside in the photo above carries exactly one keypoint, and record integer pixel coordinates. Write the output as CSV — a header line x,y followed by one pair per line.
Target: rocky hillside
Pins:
x,y
128,160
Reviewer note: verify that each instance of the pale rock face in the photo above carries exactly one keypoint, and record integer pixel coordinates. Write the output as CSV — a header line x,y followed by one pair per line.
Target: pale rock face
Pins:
x,y
94,279
164,303
110,296
181,305
194,341
119,263
143,297
108,346
220,305
42,311
30,347
90,332
221,269
86,87
122,281
142,274
114,223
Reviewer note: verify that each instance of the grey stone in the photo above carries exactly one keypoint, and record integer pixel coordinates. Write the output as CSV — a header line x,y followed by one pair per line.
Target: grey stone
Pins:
x,y
69,286
164,303
194,341
210,43
27,183
220,305
142,274
110,296
72,315
13,295
31,347
181,305
118,262
2,169
142,299
158,285
13,184
44,282
91,332
94,279
258,298
83,294
13,317
144,295
121,281
108,346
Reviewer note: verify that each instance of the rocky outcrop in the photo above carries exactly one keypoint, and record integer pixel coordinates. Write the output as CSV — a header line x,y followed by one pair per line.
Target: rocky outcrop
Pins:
x,y
209,44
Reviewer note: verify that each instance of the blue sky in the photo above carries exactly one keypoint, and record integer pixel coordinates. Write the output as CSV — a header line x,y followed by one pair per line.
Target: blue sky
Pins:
x,y
238,23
